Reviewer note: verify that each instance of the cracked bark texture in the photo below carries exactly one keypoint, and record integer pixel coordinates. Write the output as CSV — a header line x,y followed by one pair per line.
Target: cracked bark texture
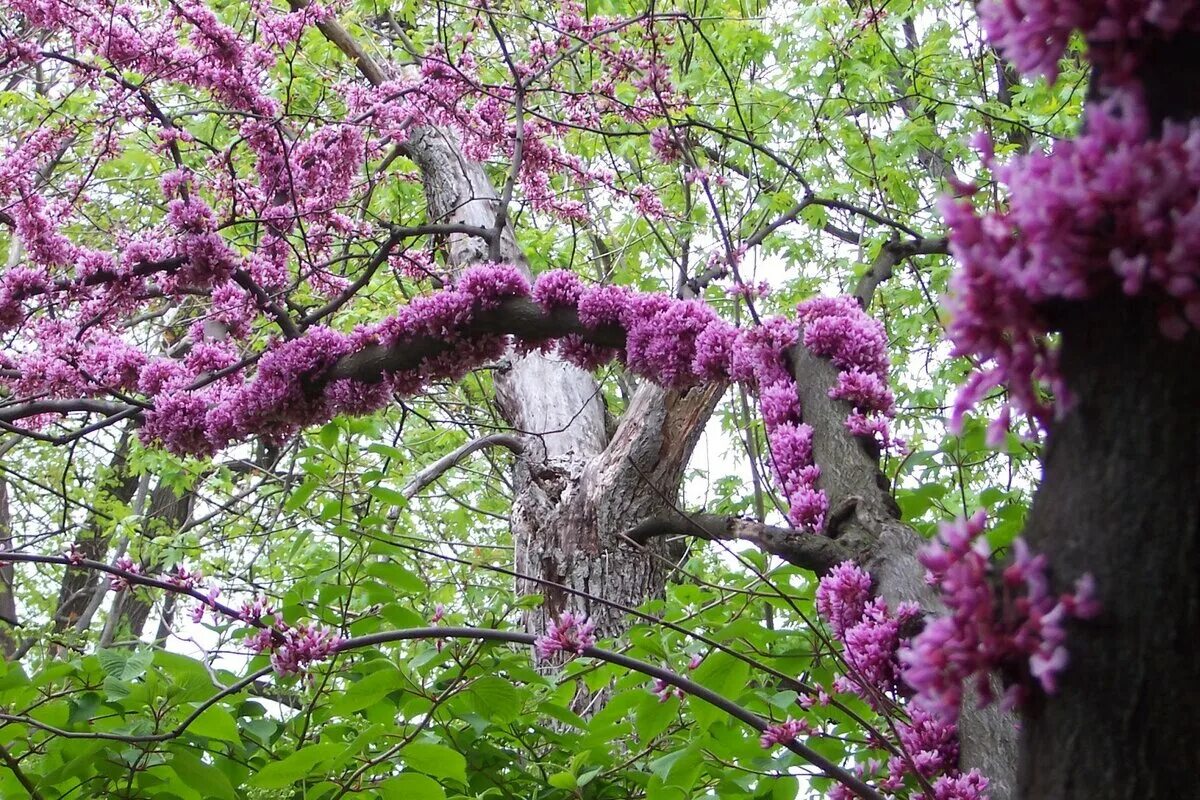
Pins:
x,y
576,489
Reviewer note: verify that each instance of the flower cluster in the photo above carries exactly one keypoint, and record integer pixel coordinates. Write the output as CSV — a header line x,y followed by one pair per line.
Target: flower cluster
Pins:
x,y
568,634
666,691
302,646
784,732
1016,630
872,645
869,632
1110,211
120,583
1033,34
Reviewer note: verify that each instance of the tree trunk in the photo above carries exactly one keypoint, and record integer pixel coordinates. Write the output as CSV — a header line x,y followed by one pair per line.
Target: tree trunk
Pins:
x,y
1121,499
8,599
79,585
865,520
167,513
576,491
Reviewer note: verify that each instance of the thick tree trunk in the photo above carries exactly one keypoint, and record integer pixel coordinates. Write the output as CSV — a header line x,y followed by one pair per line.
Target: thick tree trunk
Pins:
x,y
1121,499
576,491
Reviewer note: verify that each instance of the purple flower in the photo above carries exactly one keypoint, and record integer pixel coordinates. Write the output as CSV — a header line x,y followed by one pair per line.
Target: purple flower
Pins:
x,y
567,634
784,732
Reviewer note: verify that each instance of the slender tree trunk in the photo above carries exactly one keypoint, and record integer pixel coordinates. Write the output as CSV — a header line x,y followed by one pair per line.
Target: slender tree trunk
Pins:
x,y
8,599
167,513
78,585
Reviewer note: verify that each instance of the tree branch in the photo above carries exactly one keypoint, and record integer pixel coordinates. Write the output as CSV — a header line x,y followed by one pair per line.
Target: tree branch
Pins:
x,y
512,441
806,550
891,254
18,411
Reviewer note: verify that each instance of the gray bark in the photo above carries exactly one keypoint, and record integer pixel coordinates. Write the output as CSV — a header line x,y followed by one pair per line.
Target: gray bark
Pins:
x,y
576,490
865,520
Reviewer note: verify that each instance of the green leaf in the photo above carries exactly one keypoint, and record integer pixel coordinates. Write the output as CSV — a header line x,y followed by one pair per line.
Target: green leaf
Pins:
x,y
367,691
654,716
563,780
195,772
411,786
397,577
496,698
297,766
726,676
215,723
301,495
436,760
388,496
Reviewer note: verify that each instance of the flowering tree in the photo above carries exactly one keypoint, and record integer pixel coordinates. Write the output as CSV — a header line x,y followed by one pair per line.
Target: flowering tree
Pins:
x,y
324,323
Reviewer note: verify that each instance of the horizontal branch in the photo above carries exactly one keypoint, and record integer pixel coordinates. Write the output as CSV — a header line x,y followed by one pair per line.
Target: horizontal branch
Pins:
x,y
805,550
517,316
32,408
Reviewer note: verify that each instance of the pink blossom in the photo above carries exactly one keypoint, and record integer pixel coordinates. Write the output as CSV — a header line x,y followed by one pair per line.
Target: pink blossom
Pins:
x,y
1020,631
1056,240
567,634
120,583
665,690
784,733
303,646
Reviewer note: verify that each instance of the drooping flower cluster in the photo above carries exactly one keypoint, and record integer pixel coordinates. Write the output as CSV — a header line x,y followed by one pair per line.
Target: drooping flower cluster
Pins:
x,y
567,634
1015,629
1033,34
871,641
867,629
1110,211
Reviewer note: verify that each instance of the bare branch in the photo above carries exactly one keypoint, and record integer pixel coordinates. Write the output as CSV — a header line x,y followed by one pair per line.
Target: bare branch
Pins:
x,y
438,468
891,254
18,411
806,550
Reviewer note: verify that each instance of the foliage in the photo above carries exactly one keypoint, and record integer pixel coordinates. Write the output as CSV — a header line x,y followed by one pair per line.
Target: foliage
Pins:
x,y
706,145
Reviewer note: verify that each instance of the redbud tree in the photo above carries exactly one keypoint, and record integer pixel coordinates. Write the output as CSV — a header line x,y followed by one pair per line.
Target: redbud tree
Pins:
x,y
599,399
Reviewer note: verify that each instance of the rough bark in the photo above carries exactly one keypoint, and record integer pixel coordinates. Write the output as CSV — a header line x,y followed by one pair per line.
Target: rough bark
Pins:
x,y
576,490
865,520
1119,499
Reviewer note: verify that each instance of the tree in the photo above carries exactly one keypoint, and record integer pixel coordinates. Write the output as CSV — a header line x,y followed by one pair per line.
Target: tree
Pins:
x,y
368,309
